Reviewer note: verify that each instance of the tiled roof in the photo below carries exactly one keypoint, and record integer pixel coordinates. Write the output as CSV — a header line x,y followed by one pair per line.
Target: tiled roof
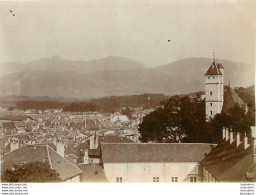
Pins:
x,y
213,70
228,163
20,124
230,99
168,152
114,139
12,117
78,151
8,128
94,152
220,66
8,125
92,173
41,153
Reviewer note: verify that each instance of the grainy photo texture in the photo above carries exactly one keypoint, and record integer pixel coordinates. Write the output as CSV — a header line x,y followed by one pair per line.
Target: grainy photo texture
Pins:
x,y
127,91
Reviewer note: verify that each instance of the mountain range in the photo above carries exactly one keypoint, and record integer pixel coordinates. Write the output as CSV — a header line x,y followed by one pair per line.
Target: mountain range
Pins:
x,y
59,77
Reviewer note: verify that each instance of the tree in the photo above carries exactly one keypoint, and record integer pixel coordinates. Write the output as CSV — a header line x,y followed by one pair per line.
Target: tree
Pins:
x,y
240,121
31,172
180,119
216,124
153,128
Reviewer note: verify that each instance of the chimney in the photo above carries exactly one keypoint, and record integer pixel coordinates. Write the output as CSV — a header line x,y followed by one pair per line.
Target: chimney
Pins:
x,y
223,133
227,136
86,156
253,130
238,139
60,148
14,144
246,145
231,137
54,141
94,141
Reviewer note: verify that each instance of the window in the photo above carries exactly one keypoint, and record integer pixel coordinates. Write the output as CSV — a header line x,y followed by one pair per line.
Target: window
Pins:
x,y
210,92
211,104
211,112
119,179
174,179
213,77
192,179
155,179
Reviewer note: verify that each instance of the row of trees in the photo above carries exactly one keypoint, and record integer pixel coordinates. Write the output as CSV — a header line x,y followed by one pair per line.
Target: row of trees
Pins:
x,y
182,119
115,103
39,105
105,104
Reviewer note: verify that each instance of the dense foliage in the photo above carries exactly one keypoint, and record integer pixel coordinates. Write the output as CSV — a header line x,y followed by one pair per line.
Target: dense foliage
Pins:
x,y
80,107
105,104
182,119
115,103
39,105
31,172
247,95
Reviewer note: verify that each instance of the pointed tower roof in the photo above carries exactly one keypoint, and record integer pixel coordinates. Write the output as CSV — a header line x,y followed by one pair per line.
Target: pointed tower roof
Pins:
x,y
220,66
213,70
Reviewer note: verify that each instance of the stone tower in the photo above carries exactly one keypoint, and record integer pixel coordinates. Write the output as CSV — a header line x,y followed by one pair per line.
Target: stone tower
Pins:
x,y
214,89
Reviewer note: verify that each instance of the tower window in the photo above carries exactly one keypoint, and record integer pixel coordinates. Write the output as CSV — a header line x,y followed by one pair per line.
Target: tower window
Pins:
x,y
210,92
211,104
211,112
155,179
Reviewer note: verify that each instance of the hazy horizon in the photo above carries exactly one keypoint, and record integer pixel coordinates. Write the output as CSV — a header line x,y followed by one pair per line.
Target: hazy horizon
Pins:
x,y
88,30
62,57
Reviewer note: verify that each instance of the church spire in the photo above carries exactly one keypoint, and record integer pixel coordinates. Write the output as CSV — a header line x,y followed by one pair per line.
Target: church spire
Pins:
x,y
213,56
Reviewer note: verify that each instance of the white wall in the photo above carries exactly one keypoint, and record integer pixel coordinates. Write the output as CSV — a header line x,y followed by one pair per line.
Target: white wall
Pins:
x,y
214,94
144,172
74,179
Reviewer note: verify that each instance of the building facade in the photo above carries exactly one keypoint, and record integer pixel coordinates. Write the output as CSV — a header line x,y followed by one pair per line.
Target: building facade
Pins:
x,y
214,89
153,162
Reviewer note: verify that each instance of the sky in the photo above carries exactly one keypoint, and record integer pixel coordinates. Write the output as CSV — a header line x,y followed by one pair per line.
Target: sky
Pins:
x,y
138,30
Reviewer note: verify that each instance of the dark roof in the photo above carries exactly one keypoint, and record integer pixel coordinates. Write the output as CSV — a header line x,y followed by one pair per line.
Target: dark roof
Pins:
x,y
92,173
8,125
168,152
21,136
20,124
220,66
41,153
94,152
213,70
230,99
228,163
78,150
12,117
8,128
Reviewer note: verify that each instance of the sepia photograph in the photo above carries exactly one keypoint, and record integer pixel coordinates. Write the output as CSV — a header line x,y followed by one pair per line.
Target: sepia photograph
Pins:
x,y
127,91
